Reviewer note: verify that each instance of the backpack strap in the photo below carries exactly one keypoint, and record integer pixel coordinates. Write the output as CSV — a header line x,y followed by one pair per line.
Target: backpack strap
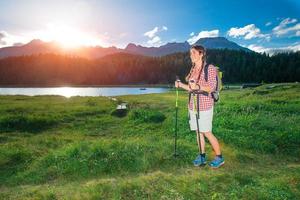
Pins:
x,y
206,72
217,85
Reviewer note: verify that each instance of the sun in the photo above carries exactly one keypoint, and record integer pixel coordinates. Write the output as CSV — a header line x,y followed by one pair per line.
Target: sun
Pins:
x,y
69,37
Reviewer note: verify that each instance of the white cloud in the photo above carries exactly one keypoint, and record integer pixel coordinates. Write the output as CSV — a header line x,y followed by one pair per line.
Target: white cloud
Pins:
x,y
192,33
268,23
257,48
298,33
124,34
284,23
203,34
282,28
154,39
260,49
2,36
7,39
248,32
151,33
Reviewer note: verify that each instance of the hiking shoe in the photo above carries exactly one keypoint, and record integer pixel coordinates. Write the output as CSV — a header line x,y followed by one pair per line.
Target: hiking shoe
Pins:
x,y
217,162
199,161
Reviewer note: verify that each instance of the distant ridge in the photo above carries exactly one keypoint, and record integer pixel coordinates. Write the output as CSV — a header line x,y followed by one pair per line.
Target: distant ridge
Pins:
x,y
39,47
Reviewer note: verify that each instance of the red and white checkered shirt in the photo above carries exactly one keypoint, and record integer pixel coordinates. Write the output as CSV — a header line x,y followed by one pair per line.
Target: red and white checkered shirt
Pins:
x,y
206,102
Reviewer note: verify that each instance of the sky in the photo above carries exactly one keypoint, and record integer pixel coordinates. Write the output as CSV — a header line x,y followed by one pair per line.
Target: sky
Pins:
x,y
261,25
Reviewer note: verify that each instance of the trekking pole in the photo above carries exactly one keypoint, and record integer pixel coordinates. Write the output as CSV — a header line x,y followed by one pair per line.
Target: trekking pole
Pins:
x,y
197,108
176,116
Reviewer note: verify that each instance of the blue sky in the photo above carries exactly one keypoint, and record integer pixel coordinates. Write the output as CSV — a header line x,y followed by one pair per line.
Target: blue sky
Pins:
x,y
261,25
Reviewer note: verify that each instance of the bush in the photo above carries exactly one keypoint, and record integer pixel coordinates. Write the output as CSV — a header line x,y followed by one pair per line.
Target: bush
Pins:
x,y
143,115
29,123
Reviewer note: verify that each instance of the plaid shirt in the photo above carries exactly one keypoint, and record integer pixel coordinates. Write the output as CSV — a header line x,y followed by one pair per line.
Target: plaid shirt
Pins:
x,y
206,102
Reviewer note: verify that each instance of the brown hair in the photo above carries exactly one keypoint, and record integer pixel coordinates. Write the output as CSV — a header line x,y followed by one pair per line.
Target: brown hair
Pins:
x,y
202,50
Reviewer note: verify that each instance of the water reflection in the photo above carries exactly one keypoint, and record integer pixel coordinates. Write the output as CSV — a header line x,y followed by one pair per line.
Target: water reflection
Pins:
x,y
82,91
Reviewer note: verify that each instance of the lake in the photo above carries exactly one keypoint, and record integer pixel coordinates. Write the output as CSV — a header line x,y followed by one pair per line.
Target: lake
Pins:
x,y
83,91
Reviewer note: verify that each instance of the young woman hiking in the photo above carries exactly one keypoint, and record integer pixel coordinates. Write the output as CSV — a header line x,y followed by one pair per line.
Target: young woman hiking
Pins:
x,y
201,103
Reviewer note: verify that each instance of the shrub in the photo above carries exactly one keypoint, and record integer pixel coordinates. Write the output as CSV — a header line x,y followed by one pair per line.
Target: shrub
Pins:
x,y
143,115
29,123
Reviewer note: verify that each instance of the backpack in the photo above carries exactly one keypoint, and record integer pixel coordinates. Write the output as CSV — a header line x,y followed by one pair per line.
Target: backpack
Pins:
x,y
216,93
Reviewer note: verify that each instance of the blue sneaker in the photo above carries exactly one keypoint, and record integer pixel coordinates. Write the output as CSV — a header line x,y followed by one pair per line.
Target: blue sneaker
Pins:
x,y
217,162
199,161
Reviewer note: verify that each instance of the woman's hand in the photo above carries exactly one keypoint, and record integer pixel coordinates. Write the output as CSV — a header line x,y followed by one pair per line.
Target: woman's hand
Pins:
x,y
193,85
177,84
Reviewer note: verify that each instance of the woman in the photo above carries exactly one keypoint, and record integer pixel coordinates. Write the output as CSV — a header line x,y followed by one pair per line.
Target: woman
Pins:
x,y
196,84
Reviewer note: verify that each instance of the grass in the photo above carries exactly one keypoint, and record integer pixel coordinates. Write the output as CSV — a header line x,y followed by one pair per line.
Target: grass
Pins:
x,y
78,148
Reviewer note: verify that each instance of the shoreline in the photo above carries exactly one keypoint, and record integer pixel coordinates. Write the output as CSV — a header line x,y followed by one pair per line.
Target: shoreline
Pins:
x,y
89,86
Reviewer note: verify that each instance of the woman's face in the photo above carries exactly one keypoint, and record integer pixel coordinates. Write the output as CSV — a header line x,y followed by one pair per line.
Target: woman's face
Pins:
x,y
195,55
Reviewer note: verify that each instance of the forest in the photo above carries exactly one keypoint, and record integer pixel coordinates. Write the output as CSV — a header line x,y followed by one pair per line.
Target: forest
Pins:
x,y
124,68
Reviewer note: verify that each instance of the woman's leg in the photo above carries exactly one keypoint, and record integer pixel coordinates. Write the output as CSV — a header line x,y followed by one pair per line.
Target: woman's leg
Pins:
x,y
213,141
200,140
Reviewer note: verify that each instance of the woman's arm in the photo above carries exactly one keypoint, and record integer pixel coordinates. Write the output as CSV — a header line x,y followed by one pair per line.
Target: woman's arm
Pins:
x,y
184,86
205,88
191,86
179,84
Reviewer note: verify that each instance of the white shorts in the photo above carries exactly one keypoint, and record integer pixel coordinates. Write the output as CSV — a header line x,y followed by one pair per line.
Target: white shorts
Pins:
x,y
204,121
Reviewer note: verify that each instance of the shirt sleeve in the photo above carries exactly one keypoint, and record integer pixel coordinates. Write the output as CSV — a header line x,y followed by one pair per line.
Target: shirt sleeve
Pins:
x,y
212,82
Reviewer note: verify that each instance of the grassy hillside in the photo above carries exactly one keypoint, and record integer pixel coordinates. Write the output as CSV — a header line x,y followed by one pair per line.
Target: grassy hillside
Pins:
x,y
77,148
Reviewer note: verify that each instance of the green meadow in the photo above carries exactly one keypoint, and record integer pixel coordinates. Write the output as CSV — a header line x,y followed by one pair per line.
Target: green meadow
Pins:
x,y
54,147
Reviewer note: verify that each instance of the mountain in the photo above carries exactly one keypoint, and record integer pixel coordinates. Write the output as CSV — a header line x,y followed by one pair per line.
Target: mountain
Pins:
x,y
209,43
166,49
219,43
33,47
40,47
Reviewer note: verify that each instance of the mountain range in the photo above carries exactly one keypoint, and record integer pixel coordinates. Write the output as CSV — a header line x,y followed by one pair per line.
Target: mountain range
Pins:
x,y
37,46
